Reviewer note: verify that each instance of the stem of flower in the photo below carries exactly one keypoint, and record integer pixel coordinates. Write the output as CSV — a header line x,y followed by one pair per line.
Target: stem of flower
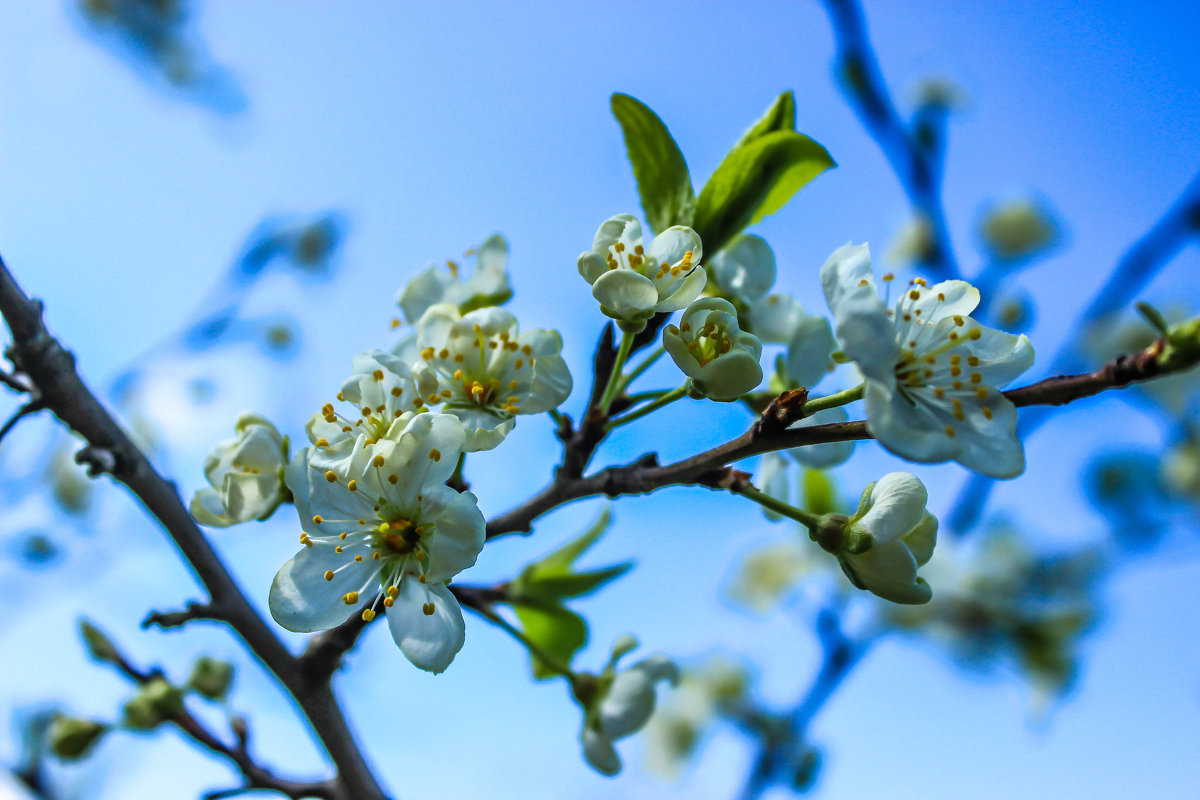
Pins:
x,y
805,518
642,366
833,400
614,378
665,399
525,641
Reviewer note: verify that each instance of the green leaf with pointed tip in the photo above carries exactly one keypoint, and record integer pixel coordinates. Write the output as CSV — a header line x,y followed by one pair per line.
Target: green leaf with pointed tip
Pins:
x,y
663,182
820,495
555,630
781,116
754,181
573,584
562,558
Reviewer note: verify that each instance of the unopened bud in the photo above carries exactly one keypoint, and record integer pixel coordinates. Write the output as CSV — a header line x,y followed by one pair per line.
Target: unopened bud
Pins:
x,y
156,702
211,677
71,737
99,646
830,532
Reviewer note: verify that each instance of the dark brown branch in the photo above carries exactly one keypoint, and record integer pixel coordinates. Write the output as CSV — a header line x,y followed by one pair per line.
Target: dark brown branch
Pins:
x,y
51,370
711,469
326,649
173,619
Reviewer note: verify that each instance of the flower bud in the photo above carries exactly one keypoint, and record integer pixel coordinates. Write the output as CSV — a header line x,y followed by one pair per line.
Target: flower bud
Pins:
x,y
99,646
154,704
713,351
211,677
72,738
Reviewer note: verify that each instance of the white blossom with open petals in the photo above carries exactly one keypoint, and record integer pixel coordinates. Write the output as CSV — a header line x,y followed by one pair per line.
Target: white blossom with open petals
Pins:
x,y
902,535
487,286
246,474
721,360
932,373
380,390
382,530
484,371
633,282
620,704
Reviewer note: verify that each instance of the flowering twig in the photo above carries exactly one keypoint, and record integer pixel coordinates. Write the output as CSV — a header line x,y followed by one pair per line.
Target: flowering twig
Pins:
x,y
51,369
710,467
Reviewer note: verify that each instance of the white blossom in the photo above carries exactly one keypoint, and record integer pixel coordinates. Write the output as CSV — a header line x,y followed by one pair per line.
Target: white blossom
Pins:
x,y
891,517
487,286
744,269
620,703
709,347
380,390
633,282
381,529
932,373
246,474
484,371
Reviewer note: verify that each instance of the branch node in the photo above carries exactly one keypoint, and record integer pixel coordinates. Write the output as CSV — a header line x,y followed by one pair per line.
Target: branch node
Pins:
x,y
781,412
100,460
174,619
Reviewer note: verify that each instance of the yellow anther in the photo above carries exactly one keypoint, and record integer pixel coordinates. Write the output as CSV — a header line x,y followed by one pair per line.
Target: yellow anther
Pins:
x,y
527,350
919,281
427,353
864,282
368,614
350,598
317,519
393,478
388,602
459,358
888,277
375,556
956,370
686,263
352,486
973,361
987,412
377,374
914,294
446,393
395,323
512,385
939,393
975,334
981,393
443,354
428,608
331,476
950,432
392,591
304,540
941,297
458,375
337,549
322,443
953,335
328,574
619,247
520,362
956,385
976,377
358,558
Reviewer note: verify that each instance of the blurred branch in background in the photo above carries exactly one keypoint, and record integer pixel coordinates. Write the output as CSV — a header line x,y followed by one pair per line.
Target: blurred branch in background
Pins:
x,y
159,40
1141,263
914,149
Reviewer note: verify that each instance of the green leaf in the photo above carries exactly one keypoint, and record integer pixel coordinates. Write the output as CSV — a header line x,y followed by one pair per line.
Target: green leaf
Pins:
x,y
781,116
663,182
558,632
561,559
754,181
576,584
820,495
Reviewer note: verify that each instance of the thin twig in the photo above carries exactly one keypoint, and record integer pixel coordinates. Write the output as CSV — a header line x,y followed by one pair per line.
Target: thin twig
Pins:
x,y
51,369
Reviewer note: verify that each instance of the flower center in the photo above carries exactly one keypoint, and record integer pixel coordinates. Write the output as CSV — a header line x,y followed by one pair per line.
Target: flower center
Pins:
x,y
490,373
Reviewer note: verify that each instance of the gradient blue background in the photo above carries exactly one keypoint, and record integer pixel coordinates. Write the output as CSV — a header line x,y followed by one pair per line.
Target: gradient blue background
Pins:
x,y
431,127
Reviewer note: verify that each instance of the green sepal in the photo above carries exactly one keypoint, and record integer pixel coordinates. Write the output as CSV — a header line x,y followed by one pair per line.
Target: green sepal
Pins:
x,y
663,182
754,181
557,631
211,677
98,645
781,116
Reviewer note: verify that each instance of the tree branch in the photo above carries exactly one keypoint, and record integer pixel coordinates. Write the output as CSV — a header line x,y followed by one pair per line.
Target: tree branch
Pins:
x,y
51,370
710,468
914,154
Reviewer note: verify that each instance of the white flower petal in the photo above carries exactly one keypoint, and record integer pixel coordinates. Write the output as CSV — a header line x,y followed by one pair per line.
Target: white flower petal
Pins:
x,y
626,295
687,291
670,246
745,268
459,529
809,351
302,600
822,456
429,641
600,753
897,504
922,539
772,479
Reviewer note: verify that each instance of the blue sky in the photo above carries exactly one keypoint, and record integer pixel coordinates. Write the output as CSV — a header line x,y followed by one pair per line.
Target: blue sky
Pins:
x,y
430,128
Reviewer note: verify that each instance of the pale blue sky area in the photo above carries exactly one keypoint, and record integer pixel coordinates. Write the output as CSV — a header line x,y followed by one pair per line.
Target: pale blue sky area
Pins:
x,y
429,126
